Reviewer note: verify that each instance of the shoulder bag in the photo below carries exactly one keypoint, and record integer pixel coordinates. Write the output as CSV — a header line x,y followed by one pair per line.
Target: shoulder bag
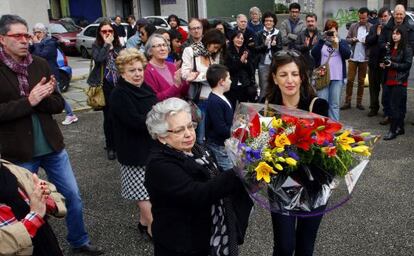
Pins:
x,y
321,75
95,95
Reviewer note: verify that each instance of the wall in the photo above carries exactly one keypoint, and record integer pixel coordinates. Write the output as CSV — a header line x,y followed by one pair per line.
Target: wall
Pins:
x,y
216,8
147,7
179,9
32,11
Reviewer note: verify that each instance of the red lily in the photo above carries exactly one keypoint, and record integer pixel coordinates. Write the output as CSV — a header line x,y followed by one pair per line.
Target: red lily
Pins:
x,y
254,126
302,137
241,134
325,130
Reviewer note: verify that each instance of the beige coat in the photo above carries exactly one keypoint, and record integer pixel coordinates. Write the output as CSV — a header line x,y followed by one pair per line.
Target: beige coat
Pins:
x,y
14,238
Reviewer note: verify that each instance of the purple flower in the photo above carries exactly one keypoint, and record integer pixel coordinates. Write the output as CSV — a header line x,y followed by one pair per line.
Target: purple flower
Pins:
x,y
293,155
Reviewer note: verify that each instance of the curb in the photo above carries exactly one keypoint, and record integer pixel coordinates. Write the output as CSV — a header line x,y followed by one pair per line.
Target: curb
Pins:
x,y
81,109
79,77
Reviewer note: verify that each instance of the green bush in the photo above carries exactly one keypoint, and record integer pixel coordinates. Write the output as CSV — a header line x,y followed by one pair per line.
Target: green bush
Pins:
x,y
281,8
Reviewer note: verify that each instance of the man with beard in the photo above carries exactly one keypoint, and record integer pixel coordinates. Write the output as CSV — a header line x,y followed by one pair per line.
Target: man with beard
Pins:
x,y
307,39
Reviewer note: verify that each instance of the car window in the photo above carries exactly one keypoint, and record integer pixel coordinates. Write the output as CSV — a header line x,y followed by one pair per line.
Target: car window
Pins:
x,y
157,22
57,28
183,22
91,31
69,26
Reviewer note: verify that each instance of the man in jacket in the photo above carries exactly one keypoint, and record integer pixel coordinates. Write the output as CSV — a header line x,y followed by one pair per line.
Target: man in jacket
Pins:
x,y
29,136
307,39
375,73
292,26
359,58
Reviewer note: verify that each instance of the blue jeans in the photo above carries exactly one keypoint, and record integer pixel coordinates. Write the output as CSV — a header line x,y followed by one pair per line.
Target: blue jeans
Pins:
x,y
222,158
68,109
201,127
59,172
332,94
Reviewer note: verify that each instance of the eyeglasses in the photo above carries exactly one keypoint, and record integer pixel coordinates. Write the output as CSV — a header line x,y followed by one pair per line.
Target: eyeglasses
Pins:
x,y
37,32
180,131
160,45
196,28
104,31
19,36
292,53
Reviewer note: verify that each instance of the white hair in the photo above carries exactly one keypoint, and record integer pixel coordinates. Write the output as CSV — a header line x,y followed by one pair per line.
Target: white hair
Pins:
x,y
255,9
40,27
150,44
157,118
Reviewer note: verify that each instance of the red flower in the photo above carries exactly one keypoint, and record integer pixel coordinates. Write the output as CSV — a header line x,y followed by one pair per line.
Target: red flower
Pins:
x,y
302,137
325,130
330,151
254,126
241,134
290,119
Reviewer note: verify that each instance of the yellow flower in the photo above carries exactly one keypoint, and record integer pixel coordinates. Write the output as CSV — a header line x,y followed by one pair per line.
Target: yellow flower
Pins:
x,y
281,140
263,171
344,140
279,167
277,123
281,159
362,149
267,155
278,150
291,161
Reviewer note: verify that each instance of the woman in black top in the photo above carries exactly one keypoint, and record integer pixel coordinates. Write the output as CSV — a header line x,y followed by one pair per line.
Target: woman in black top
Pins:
x,y
288,85
131,100
104,52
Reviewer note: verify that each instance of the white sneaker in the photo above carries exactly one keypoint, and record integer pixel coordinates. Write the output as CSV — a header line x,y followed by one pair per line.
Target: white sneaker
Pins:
x,y
70,119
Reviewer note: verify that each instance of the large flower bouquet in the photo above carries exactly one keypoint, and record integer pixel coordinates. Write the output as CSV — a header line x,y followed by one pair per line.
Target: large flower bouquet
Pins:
x,y
291,160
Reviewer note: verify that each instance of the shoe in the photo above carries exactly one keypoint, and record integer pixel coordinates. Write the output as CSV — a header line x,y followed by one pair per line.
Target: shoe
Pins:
x,y
360,107
400,131
88,249
372,113
390,136
144,230
69,120
111,154
386,121
346,106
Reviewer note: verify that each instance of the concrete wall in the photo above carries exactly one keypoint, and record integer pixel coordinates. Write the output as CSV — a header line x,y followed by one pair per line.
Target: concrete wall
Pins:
x,y
179,9
31,11
216,8
147,7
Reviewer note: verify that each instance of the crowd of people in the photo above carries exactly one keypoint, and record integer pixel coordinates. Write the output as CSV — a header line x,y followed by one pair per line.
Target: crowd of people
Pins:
x,y
170,98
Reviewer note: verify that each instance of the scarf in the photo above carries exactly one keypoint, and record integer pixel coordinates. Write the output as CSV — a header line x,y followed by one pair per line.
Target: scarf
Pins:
x,y
200,50
110,69
20,68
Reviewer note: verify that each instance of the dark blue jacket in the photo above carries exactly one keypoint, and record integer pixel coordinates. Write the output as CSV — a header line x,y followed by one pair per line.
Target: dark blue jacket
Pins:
x,y
219,117
47,49
344,50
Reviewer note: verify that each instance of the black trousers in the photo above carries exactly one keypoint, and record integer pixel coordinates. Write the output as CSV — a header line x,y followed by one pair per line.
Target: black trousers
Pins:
x,y
294,234
107,119
398,96
375,75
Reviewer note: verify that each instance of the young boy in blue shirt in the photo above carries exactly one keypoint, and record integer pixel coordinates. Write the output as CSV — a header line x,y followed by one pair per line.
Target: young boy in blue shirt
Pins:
x,y
219,114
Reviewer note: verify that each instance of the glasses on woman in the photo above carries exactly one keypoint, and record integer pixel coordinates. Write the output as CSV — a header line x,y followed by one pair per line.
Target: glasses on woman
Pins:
x,y
106,31
180,131
283,53
160,46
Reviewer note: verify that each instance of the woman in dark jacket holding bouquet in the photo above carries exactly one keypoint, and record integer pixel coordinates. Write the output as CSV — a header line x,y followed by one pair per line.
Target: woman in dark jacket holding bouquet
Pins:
x,y
239,62
288,85
104,52
130,101
397,64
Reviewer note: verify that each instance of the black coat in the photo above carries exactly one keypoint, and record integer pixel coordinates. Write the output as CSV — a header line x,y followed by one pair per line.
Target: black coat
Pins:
x,y
47,49
402,64
386,32
182,193
371,42
129,108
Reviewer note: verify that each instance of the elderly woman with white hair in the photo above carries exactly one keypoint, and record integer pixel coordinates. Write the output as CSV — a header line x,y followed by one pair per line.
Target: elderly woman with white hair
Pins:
x,y
255,23
189,197
161,75
46,47
130,102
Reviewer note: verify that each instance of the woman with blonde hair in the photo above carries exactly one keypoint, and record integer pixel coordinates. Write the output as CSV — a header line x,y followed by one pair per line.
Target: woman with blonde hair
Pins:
x,y
131,100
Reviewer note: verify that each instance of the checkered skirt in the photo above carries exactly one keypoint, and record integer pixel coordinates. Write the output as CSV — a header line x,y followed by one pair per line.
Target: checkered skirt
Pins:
x,y
132,183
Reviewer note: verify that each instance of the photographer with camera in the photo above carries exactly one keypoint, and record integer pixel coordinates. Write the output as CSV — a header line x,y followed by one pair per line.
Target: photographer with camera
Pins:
x,y
337,50
397,63
375,73
359,58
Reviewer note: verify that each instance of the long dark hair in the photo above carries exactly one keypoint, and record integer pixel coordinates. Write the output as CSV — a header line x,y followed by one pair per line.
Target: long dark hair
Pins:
x,y
213,36
273,92
403,41
99,40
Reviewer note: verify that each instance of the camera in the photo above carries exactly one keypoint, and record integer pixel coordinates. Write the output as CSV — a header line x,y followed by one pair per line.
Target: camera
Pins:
x,y
329,33
387,58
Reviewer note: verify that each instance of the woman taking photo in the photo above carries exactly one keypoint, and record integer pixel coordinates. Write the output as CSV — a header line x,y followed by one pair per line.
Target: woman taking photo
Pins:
x,y
397,69
196,59
331,47
105,49
131,100
288,85
187,191
241,71
161,75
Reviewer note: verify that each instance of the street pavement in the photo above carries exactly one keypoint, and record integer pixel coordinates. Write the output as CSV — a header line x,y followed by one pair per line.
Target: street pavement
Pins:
x,y
378,220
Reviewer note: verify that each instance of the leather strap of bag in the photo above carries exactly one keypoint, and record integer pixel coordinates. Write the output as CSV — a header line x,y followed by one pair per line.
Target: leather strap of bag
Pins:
x,y
312,103
101,73
329,57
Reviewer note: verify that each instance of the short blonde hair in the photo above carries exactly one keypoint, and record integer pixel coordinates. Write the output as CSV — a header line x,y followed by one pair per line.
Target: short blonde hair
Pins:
x,y
127,56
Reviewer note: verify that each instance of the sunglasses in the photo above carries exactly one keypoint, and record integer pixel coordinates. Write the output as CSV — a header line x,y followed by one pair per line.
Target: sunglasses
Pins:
x,y
104,31
19,36
292,53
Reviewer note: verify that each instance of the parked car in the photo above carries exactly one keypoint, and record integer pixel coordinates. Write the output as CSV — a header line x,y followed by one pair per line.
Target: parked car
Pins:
x,y
161,22
65,71
229,22
65,33
86,38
